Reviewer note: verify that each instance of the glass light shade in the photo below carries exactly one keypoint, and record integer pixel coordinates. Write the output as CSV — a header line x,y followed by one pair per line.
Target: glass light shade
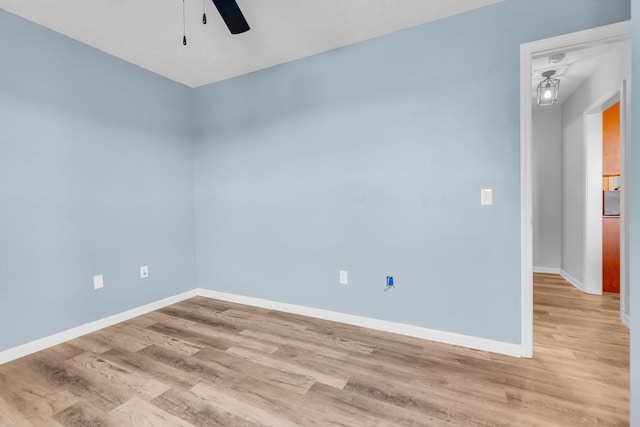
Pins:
x,y
548,91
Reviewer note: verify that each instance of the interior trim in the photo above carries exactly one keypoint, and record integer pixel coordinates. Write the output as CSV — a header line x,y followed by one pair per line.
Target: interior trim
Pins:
x,y
476,343
575,282
64,336
590,37
547,270
484,344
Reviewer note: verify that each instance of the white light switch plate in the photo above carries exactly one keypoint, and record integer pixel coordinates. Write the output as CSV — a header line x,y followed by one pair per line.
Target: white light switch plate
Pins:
x,y
144,271
486,197
98,281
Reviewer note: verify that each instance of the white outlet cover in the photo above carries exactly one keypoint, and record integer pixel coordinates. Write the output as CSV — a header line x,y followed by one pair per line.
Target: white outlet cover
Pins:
x,y
144,271
344,280
98,281
486,197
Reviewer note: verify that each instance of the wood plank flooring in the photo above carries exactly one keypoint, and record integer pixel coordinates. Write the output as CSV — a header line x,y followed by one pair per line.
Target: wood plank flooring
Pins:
x,y
204,362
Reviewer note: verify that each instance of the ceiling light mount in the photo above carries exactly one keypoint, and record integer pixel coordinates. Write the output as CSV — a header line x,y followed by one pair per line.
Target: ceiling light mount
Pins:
x,y
548,89
557,58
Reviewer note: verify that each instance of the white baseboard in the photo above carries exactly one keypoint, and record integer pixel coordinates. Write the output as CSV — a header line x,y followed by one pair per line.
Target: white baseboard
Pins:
x,y
546,270
499,347
626,320
575,282
484,344
55,339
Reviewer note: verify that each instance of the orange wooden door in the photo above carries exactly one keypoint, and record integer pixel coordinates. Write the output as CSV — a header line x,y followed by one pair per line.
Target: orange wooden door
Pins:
x,y
611,254
611,140
611,225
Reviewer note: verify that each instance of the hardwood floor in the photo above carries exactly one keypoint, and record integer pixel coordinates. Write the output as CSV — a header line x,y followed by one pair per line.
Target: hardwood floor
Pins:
x,y
204,362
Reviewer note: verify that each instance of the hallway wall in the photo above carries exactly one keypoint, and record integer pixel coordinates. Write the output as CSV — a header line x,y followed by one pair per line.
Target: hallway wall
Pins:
x,y
606,80
547,188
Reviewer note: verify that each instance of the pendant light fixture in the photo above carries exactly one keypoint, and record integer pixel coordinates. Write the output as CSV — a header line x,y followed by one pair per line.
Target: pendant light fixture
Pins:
x,y
548,89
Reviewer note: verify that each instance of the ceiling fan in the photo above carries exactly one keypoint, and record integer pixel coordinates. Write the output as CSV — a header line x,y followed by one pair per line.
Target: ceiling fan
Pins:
x,y
228,10
232,16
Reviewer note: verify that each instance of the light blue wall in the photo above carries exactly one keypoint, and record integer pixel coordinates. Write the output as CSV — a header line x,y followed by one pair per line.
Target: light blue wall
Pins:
x,y
96,176
370,159
634,215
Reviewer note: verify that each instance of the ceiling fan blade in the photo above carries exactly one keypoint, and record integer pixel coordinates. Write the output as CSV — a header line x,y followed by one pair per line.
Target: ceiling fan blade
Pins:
x,y
232,16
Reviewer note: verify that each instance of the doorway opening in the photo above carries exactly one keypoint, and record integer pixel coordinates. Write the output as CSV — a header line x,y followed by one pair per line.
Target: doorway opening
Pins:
x,y
583,262
603,191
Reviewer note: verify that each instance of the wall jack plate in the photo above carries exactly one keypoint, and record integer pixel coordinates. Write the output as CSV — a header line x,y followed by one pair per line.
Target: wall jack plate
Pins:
x,y
390,283
144,271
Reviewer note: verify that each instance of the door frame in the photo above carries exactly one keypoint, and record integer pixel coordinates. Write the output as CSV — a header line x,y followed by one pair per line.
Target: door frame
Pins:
x,y
583,39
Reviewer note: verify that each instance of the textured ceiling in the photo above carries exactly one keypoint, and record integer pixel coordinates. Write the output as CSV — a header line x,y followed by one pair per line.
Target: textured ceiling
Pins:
x,y
148,33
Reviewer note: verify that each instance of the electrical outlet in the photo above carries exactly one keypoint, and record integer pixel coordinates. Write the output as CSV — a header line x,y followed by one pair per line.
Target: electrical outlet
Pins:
x,y
344,278
486,197
98,281
144,271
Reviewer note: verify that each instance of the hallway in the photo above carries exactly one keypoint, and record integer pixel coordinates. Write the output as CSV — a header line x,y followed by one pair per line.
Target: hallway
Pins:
x,y
580,340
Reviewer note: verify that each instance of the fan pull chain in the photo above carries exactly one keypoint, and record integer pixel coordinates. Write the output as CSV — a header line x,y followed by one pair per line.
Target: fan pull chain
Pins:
x,y
204,13
184,26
